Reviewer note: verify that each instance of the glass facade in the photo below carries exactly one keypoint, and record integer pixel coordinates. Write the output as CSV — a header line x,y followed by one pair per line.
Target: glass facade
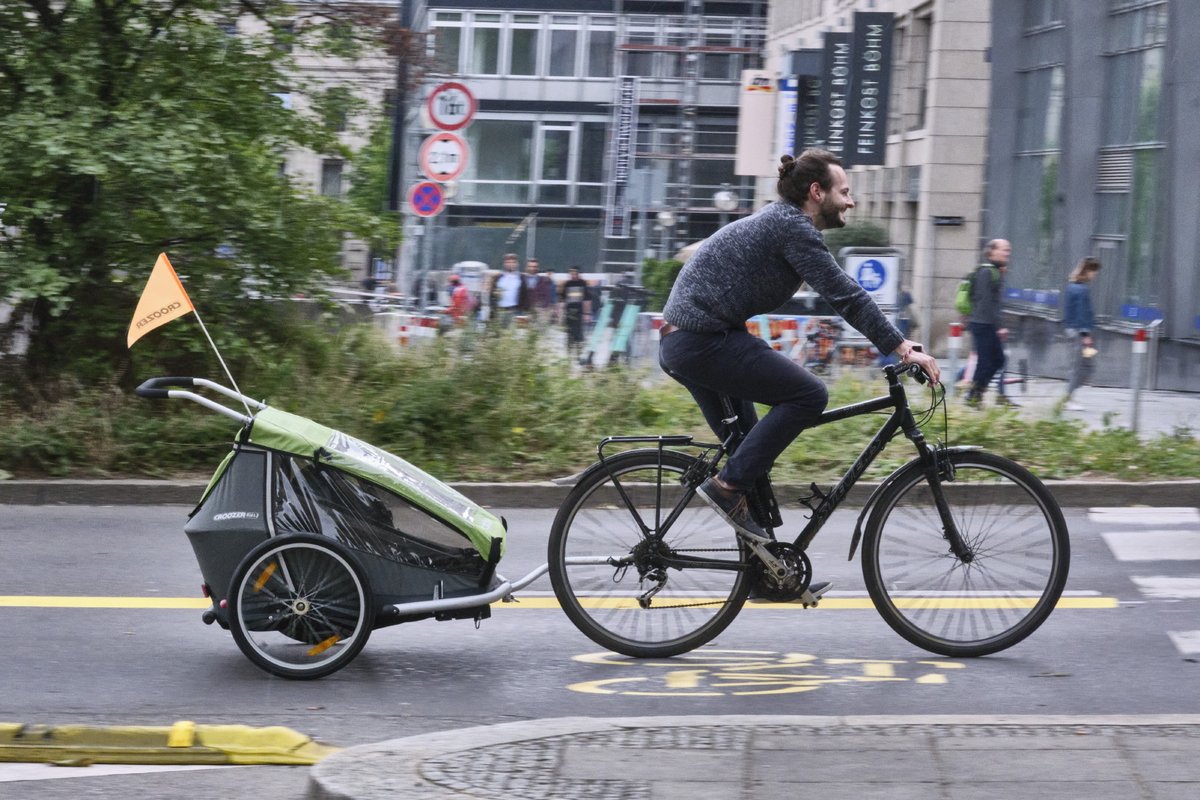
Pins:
x,y
1130,219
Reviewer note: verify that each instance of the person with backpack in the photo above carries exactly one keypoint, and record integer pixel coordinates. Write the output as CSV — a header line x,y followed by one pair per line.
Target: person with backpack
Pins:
x,y
983,320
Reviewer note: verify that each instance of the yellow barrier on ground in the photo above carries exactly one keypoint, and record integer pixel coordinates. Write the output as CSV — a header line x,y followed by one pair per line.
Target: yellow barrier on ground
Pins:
x,y
184,742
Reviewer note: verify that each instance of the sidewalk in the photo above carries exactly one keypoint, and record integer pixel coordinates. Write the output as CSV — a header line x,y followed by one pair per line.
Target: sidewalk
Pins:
x,y
755,757
1160,413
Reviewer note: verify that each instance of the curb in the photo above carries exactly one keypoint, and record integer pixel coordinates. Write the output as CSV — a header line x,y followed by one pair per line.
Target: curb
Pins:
x,y
546,494
184,742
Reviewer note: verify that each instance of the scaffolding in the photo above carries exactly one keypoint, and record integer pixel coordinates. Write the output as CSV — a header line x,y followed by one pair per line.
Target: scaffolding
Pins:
x,y
688,56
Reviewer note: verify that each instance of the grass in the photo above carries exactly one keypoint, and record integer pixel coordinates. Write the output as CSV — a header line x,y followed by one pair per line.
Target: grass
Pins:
x,y
499,408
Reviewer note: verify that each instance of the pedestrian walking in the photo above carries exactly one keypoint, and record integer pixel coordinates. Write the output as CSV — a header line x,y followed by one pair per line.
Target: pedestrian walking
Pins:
x,y
576,308
1078,321
987,289
508,292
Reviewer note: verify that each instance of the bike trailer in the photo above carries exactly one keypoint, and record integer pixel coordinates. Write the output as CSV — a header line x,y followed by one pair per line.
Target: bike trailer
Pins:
x,y
416,537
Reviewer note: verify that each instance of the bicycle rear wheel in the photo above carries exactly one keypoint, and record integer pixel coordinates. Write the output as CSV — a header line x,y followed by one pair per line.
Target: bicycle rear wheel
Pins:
x,y
1021,555
614,539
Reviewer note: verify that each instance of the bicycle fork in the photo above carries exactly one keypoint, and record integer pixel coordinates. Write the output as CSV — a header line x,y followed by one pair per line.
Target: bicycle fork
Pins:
x,y
939,467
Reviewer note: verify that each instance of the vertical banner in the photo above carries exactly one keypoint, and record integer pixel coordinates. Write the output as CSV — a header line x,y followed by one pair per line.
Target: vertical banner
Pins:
x,y
835,95
785,133
624,141
866,139
808,113
807,65
756,125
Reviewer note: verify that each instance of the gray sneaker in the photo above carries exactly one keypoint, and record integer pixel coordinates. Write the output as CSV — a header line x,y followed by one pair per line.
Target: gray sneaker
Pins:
x,y
731,505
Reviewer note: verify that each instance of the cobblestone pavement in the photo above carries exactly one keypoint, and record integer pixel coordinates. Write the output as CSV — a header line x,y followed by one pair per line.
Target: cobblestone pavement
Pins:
x,y
739,758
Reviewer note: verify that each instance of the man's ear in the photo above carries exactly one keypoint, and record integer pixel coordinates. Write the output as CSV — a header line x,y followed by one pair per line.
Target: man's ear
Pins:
x,y
814,191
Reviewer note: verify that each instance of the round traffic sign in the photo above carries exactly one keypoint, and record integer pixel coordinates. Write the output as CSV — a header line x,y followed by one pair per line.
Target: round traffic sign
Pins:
x,y
443,156
872,275
451,106
426,199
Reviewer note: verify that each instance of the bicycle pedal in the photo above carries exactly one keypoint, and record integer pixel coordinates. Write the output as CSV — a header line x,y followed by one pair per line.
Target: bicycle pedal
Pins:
x,y
813,594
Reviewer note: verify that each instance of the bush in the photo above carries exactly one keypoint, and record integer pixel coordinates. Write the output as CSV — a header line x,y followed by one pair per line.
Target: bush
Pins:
x,y
500,408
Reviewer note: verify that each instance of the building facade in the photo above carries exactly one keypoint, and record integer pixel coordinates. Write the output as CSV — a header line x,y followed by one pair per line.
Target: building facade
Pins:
x,y
1093,152
937,130
542,161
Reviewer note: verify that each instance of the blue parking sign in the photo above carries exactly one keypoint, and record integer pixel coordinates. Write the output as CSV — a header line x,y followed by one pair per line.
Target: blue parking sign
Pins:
x,y
872,274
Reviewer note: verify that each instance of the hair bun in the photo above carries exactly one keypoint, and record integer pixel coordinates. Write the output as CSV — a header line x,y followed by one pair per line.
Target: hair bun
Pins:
x,y
786,165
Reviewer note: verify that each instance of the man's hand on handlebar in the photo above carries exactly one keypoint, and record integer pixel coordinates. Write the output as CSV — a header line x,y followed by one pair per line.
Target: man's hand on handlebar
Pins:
x,y
911,352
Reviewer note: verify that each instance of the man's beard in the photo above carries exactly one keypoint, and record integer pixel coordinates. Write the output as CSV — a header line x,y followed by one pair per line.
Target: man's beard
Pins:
x,y
831,215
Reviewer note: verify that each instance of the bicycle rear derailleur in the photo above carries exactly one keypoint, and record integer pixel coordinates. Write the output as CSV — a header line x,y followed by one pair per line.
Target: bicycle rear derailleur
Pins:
x,y
783,588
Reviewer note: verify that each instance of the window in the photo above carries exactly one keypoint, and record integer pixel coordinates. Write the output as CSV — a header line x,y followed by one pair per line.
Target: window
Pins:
x,y
640,62
562,52
501,168
524,161
591,163
917,70
1130,218
331,177
485,51
556,166
524,51
447,46
1035,264
718,66
1040,13
602,43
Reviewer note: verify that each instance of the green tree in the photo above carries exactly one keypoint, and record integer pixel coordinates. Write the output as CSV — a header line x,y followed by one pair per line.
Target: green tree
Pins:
x,y
128,128
859,233
659,277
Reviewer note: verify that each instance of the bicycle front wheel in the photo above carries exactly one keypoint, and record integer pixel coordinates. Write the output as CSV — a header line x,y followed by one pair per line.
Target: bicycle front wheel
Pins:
x,y
1020,556
622,532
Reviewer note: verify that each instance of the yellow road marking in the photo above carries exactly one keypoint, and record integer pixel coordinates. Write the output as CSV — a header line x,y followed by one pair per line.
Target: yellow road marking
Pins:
x,y
542,603
48,601
839,603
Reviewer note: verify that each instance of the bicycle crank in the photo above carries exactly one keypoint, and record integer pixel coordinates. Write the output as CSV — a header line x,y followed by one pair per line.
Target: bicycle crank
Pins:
x,y
770,585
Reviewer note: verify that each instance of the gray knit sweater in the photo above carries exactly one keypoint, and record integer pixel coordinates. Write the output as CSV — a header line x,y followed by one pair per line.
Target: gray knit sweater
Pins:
x,y
753,265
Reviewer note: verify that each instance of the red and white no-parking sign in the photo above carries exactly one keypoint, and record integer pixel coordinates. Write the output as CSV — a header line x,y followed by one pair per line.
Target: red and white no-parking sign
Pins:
x,y
426,199
451,106
443,156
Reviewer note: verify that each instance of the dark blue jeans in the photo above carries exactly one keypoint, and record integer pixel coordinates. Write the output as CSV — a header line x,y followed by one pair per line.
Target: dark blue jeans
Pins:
x,y
989,355
745,367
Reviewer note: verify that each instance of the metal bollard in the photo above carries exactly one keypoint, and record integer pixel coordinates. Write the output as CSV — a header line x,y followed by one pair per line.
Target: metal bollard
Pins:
x,y
1138,375
953,345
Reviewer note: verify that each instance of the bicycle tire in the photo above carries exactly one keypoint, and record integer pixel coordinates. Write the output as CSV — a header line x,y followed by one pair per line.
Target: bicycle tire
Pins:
x,y
300,606
693,606
1021,548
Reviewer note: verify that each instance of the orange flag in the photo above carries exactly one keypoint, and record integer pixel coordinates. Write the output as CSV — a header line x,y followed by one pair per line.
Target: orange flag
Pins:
x,y
163,300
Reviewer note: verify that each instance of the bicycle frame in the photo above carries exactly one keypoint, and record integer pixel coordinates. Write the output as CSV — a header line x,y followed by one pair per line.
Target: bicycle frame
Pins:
x,y
901,419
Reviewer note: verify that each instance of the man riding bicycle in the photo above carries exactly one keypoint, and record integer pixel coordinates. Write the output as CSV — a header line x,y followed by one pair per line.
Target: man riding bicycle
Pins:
x,y
751,267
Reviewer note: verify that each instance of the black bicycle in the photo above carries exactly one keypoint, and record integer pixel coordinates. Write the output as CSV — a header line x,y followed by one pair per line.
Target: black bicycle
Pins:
x,y
964,552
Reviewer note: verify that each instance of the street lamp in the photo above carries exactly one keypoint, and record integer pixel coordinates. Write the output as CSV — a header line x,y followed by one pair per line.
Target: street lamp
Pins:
x,y
725,200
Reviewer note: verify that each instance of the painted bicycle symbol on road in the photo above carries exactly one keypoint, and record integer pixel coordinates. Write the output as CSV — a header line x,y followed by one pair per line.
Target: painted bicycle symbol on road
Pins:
x,y
716,673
